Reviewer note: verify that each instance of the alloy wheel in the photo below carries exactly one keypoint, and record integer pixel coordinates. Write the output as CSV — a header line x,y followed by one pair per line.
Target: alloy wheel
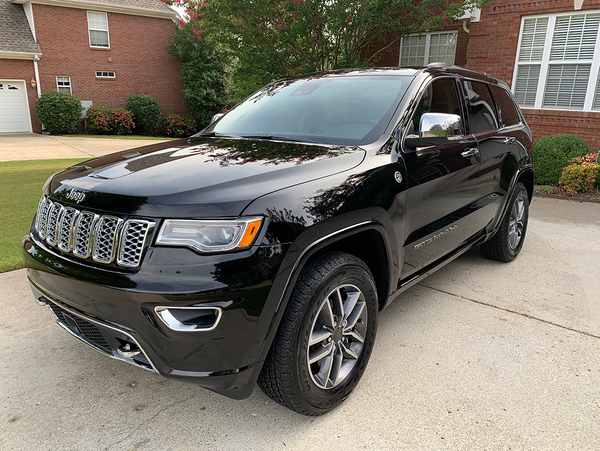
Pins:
x,y
337,336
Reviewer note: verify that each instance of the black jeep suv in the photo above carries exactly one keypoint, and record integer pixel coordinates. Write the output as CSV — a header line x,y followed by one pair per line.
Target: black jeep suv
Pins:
x,y
263,248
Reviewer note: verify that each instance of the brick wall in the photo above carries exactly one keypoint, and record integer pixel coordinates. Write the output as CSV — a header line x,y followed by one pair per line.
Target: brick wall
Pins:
x,y
388,53
493,41
136,55
550,122
22,70
492,48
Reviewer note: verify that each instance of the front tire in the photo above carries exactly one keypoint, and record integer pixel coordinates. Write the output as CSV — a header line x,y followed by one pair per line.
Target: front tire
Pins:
x,y
506,244
325,338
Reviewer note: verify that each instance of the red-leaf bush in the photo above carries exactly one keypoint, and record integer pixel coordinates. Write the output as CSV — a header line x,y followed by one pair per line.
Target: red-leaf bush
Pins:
x,y
175,126
109,121
581,175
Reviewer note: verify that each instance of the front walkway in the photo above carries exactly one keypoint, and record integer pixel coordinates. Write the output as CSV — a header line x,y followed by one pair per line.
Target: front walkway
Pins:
x,y
31,146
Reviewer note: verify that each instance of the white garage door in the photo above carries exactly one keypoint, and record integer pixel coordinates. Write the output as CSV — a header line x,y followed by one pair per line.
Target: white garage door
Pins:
x,y
14,114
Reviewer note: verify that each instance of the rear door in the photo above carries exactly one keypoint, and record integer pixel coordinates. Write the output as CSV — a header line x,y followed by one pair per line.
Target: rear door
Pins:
x,y
443,185
495,123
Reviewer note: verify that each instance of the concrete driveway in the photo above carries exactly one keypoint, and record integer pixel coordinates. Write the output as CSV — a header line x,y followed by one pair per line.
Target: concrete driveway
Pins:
x,y
480,356
31,146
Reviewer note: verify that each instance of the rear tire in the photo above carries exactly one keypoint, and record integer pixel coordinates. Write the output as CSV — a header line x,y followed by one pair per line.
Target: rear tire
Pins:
x,y
325,338
508,240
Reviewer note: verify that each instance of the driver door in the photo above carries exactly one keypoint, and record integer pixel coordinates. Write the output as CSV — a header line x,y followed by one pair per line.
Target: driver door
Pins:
x,y
443,184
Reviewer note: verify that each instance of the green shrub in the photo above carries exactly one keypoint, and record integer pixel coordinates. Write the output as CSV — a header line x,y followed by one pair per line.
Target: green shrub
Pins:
x,y
175,126
580,175
146,113
59,112
102,120
551,154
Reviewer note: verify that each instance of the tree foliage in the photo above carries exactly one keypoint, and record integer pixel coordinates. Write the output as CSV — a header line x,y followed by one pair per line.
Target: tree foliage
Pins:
x,y
272,39
206,73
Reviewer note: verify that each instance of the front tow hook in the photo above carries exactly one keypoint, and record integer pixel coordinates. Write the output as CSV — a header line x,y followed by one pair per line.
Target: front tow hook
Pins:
x,y
128,351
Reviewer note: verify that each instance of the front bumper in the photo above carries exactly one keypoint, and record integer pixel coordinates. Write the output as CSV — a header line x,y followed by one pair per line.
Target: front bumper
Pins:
x,y
114,311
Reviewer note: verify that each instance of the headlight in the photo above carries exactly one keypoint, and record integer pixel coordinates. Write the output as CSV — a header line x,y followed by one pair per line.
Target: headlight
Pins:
x,y
209,236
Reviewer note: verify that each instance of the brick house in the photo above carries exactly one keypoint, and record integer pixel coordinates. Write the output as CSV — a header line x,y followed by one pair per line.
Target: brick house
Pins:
x,y
548,51
102,51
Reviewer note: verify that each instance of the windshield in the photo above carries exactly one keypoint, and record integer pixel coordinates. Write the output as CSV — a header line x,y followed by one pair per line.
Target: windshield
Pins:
x,y
331,110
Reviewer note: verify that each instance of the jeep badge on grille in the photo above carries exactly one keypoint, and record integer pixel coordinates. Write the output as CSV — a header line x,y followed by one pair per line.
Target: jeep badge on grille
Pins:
x,y
75,196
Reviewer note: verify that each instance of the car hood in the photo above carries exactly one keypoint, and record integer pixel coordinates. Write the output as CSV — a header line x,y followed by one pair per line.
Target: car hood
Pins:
x,y
196,177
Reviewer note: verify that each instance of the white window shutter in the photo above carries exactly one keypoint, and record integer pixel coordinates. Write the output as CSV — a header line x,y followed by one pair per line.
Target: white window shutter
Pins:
x,y
526,84
596,105
575,37
566,85
533,38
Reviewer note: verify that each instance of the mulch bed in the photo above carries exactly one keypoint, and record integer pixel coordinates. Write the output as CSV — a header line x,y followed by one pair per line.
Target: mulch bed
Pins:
x,y
560,194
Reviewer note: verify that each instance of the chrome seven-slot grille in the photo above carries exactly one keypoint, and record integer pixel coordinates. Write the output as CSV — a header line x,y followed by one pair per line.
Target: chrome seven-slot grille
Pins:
x,y
104,238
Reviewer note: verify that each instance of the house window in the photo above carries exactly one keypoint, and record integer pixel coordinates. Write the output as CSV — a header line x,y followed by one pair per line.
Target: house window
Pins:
x,y
63,84
98,29
105,74
557,62
425,48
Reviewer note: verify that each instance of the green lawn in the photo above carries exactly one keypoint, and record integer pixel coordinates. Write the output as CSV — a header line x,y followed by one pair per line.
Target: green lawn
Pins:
x,y
20,191
156,138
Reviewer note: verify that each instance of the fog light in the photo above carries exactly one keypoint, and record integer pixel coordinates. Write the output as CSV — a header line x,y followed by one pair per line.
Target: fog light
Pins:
x,y
189,319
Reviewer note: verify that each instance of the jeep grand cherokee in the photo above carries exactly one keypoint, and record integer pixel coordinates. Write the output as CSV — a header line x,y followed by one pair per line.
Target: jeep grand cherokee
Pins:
x,y
263,248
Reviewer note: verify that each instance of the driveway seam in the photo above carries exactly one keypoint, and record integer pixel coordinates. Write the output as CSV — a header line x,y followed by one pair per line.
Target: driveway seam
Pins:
x,y
72,147
524,315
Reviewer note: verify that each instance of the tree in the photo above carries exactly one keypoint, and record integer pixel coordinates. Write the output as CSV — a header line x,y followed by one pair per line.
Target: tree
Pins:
x,y
273,39
206,68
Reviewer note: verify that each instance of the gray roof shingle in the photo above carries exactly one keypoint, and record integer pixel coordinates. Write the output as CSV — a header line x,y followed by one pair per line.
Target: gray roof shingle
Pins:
x,y
15,34
154,5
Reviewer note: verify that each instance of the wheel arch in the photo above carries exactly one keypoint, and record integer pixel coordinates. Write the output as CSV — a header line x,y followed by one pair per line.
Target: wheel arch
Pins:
x,y
345,240
368,245
527,178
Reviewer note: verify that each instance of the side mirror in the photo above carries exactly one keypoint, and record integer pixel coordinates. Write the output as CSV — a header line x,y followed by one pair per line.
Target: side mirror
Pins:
x,y
216,117
434,125
435,129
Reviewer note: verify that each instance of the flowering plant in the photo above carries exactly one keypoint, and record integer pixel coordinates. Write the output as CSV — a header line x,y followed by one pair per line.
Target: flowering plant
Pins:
x,y
581,175
175,126
109,121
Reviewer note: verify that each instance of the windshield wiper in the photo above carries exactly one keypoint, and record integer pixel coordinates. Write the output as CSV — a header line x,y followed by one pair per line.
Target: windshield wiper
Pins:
x,y
279,138
216,135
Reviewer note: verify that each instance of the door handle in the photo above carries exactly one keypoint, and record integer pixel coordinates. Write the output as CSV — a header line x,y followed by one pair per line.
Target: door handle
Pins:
x,y
470,152
509,140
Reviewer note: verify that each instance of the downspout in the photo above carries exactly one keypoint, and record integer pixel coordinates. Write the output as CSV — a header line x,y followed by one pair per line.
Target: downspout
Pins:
x,y
465,25
37,75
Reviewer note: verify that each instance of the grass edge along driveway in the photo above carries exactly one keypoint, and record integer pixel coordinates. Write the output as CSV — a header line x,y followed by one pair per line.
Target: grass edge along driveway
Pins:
x,y
21,185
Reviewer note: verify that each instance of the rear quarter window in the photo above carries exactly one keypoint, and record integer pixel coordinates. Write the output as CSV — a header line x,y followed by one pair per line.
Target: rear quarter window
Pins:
x,y
507,111
482,111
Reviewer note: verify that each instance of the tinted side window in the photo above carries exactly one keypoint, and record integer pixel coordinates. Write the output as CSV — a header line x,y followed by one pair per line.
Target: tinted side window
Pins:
x,y
439,97
507,112
482,116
